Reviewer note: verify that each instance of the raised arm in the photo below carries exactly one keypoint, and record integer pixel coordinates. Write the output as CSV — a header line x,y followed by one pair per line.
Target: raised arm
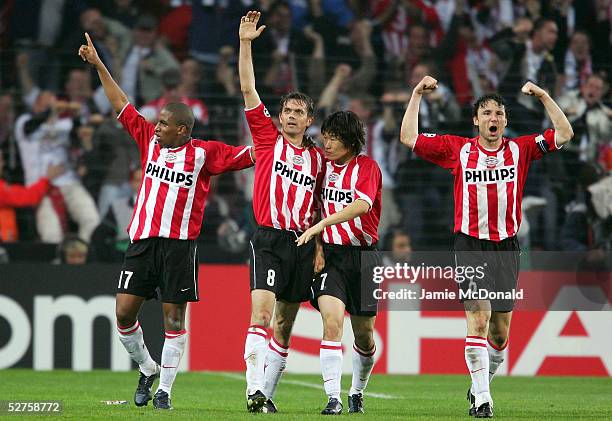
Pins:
x,y
115,95
247,33
410,123
562,126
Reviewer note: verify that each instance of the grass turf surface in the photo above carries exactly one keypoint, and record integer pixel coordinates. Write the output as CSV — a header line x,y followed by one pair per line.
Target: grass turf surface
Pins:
x,y
220,396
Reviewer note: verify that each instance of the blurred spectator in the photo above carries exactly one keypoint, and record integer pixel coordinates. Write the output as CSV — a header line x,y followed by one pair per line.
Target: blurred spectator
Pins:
x,y
110,37
171,81
399,244
17,196
577,63
109,164
347,81
602,34
43,26
398,17
124,11
274,55
527,60
144,62
590,118
489,17
214,25
438,110
174,29
110,239
44,139
471,63
7,118
588,223
72,251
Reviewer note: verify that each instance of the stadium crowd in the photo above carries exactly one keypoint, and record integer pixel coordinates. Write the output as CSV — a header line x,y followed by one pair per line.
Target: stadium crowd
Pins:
x,y
361,55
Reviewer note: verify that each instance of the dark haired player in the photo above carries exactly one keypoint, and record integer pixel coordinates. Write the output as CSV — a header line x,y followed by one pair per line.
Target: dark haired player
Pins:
x,y
351,198
287,176
166,223
490,172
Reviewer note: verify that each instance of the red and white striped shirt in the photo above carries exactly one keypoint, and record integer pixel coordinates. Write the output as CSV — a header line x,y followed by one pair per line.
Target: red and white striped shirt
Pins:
x,y
488,184
360,178
286,176
176,181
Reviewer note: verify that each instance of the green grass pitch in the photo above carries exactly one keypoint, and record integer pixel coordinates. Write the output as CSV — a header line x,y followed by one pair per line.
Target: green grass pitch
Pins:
x,y
220,396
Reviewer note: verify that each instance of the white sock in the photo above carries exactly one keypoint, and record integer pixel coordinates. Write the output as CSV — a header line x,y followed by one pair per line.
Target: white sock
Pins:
x,y
497,355
363,361
477,360
331,367
133,342
171,357
276,361
255,357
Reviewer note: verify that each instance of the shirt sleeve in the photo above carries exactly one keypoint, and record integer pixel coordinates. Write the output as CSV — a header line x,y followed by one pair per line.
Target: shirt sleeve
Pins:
x,y
539,144
221,157
137,126
16,196
438,148
369,181
263,129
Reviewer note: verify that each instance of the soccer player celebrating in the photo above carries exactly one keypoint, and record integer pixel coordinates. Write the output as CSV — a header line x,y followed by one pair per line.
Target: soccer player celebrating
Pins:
x,y
287,175
165,225
351,198
490,172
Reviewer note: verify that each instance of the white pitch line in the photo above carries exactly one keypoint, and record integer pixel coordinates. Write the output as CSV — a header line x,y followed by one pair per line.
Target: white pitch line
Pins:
x,y
301,383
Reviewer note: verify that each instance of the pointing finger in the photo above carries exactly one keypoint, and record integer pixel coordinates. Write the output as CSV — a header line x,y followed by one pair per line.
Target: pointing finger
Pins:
x,y
89,43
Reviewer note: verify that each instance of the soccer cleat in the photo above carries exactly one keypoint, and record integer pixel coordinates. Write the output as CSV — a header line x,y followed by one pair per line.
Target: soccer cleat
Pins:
x,y
256,401
472,400
355,403
269,407
484,411
334,407
161,400
142,396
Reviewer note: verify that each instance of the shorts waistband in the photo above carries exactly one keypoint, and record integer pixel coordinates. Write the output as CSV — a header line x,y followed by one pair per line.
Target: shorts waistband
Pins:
x,y
342,246
292,234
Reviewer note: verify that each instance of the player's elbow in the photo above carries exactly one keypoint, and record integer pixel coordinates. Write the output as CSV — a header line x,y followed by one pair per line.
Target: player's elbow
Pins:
x,y
564,135
408,139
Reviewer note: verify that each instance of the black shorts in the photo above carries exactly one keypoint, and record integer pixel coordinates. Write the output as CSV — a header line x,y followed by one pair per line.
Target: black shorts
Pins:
x,y
498,264
280,266
164,263
344,278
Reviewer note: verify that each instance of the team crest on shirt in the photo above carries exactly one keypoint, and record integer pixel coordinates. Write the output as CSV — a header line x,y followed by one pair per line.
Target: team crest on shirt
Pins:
x,y
170,157
333,177
266,112
297,160
491,161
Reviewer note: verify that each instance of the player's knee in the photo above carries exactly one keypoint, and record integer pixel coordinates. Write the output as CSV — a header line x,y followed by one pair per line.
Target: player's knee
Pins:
x,y
282,329
332,330
498,338
261,318
172,323
124,317
365,341
480,324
